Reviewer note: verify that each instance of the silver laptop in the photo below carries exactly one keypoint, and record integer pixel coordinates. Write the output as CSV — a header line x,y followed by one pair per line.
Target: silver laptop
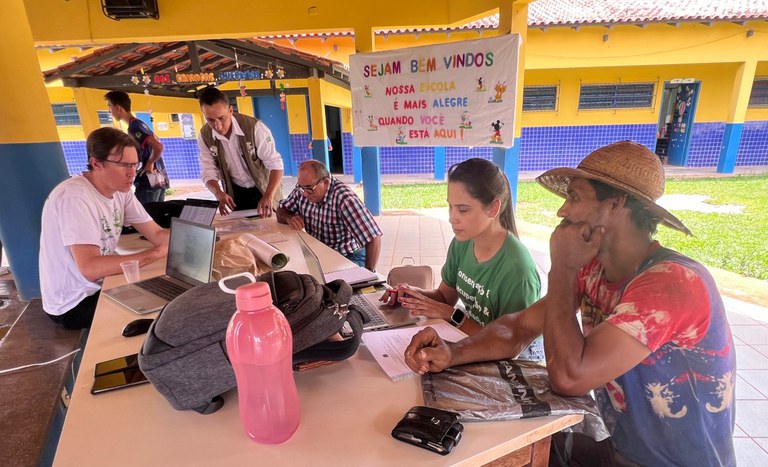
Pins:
x,y
377,315
190,258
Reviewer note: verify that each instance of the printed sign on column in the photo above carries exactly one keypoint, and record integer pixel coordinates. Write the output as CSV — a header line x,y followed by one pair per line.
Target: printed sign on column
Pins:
x,y
455,94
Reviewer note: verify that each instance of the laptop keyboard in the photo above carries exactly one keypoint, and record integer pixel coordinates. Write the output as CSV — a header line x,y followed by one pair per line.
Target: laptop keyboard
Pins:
x,y
373,317
162,288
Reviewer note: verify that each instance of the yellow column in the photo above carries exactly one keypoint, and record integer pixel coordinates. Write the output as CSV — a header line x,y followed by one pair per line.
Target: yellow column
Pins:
x,y
737,110
31,158
89,102
513,18
317,120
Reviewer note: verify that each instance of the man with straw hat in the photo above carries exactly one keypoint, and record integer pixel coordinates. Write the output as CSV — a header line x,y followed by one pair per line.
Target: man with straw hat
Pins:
x,y
655,344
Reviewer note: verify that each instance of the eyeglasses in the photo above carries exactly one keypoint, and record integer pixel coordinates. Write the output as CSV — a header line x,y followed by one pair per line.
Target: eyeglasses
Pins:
x,y
125,165
309,189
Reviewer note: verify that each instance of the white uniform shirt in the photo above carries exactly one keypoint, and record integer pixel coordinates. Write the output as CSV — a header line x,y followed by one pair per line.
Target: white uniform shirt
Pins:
x,y
238,171
75,213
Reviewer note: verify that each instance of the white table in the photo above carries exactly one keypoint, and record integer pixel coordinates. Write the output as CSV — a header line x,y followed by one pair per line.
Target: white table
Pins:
x,y
347,411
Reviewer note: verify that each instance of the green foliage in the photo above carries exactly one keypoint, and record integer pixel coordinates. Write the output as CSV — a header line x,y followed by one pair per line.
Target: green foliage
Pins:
x,y
734,242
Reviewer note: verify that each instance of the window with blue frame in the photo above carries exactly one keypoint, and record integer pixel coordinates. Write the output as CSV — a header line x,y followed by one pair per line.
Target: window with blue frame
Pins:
x,y
759,95
539,98
616,96
65,114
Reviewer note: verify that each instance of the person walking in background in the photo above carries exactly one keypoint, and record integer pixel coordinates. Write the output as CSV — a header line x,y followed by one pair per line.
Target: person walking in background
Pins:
x,y
654,342
331,212
239,152
152,179
81,224
487,267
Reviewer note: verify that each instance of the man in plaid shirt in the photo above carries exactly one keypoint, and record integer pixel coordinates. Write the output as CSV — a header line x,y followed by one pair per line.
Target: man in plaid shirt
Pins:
x,y
332,213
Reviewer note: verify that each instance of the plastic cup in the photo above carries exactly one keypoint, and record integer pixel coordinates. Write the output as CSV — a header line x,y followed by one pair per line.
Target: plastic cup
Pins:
x,y
131,270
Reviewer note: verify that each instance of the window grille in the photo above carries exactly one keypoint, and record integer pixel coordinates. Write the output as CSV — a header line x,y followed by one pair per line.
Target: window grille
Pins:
x,y
539,98
759,95
616,96
105,118
65,114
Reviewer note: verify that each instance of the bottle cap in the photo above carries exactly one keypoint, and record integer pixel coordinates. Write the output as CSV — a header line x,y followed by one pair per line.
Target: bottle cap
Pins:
x,y
253,297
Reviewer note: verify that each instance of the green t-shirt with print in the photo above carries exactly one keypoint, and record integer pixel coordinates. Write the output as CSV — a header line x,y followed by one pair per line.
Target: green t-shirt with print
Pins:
x,y
506,283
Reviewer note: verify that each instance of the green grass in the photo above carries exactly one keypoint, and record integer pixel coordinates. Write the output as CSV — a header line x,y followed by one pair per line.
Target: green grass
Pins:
x,y
734,242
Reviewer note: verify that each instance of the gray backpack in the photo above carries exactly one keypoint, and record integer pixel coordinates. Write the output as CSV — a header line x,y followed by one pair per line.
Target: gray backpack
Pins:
x,y
185,357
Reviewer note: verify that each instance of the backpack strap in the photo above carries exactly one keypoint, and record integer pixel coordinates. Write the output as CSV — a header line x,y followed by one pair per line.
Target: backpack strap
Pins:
x,y
334,350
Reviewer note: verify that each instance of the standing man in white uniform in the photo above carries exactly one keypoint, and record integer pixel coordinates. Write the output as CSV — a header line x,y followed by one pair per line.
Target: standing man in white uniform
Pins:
x,y
238,152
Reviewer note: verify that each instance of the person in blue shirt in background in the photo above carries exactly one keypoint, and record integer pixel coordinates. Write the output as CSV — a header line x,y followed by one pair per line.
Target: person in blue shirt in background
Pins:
x,y
119,104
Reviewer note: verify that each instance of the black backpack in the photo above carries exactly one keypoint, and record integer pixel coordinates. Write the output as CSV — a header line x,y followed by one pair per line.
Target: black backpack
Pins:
x,y
185,357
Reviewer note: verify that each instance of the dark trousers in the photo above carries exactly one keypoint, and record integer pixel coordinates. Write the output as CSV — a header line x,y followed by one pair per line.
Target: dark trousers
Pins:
x,y
570,449
79,317
246,198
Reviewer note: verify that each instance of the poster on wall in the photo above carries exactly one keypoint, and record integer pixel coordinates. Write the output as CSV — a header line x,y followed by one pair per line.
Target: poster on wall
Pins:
x,y
187,126
456,94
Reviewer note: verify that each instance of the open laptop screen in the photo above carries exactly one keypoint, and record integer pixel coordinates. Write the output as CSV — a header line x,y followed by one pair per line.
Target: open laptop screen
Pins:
x,y
190,251
201,211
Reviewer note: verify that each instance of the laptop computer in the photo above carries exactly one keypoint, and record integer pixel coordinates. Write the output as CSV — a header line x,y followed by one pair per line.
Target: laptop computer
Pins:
x,y
190,258
377,316
201,211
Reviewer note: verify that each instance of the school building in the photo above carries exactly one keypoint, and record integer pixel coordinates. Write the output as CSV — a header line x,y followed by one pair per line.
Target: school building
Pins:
x,y
688,79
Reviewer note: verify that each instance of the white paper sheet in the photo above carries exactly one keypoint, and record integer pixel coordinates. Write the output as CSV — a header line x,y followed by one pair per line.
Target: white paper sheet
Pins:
x,y
388,346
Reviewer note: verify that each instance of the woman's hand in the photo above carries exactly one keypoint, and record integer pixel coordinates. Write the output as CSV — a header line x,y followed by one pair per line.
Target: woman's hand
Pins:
x,y
421,305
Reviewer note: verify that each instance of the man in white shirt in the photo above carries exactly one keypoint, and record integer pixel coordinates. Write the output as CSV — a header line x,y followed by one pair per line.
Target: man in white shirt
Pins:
x,y
82,220
238,152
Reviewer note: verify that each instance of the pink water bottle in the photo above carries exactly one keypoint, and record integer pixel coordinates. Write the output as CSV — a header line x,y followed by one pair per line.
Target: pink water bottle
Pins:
x,y
260,347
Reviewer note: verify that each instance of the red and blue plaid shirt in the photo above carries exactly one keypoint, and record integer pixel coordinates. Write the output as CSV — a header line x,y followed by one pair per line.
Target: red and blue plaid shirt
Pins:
x,y
340,220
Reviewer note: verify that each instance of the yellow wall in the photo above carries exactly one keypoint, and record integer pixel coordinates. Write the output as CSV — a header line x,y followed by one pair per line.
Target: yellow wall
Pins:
x,y
93,100
558,55
199,19
759,113
657,53
298,119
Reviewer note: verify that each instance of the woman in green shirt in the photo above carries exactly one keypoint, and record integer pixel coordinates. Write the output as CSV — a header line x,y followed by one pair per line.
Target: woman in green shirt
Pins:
x,y
487,267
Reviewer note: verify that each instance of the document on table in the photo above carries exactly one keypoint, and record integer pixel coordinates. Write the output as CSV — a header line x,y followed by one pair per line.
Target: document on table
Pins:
x,y
388,347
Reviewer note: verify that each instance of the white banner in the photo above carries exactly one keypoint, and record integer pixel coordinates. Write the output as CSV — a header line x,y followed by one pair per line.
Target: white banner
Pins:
x,y
455,94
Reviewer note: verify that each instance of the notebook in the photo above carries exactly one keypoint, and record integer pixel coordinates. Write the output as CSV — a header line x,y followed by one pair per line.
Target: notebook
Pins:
x,y
376,315
190,258
201,211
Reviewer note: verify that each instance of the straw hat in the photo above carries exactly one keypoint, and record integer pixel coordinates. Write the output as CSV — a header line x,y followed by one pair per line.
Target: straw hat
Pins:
x,y
625,165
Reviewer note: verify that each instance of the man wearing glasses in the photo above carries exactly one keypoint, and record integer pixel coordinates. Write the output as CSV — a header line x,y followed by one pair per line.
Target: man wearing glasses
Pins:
x,y
332,213
239,152
81,225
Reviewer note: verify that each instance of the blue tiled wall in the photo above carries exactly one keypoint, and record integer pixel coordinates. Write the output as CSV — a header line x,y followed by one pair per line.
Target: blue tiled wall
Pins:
x,y
346,144
180,157
74,155
541,148
706,142
300,147
753,149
